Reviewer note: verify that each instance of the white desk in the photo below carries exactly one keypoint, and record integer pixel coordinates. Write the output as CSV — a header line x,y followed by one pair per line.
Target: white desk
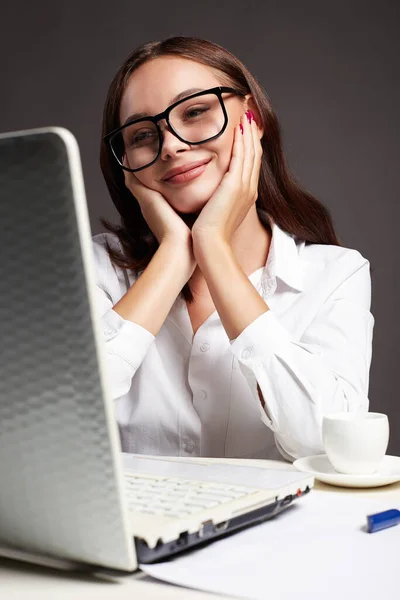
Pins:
x,y
20,581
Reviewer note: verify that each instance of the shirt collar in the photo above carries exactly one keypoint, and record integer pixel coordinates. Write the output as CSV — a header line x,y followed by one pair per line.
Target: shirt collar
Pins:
x,y
283,260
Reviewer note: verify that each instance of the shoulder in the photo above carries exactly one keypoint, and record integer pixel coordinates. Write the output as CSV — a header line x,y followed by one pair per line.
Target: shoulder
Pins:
x,y
100,240
102,261
99,247
331,256
109,276
340,272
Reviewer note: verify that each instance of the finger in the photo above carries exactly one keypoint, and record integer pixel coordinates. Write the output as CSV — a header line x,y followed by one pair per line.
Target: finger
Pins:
x,y
249,152
236,165
258,151
131,179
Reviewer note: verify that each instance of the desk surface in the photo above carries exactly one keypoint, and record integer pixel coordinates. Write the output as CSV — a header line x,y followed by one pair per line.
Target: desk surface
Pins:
x,y
20,581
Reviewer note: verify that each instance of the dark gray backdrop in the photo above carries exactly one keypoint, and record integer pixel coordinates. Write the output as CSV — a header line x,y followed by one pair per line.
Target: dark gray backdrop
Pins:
x,y
330,69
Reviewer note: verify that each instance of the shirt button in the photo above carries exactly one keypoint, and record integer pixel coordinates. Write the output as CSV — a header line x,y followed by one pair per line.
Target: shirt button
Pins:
x,y
189,447
204,347
246,353
201,394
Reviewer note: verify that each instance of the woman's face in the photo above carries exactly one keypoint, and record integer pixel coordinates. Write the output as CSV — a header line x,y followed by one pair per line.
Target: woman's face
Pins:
x,y
151,89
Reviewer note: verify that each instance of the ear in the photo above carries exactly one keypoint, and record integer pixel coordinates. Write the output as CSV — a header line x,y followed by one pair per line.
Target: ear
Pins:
x,y
250,104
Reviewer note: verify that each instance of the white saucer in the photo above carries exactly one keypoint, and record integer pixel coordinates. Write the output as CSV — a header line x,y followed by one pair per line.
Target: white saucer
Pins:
x,y
320,466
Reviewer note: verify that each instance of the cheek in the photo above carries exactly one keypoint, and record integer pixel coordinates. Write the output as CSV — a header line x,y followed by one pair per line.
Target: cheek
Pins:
x,y
147,177
222,147
225,152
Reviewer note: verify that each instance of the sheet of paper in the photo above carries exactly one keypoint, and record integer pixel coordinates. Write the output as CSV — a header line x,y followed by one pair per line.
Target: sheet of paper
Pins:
x,y
233,474
318,548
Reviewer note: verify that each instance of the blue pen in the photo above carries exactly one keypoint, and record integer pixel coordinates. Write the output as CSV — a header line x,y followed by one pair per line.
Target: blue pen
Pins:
x,y
382,520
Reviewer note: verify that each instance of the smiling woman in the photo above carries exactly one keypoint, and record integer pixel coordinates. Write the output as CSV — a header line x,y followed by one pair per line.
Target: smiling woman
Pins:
x,y
234,319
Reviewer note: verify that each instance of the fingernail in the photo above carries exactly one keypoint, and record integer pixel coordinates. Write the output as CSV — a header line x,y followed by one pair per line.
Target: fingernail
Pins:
x,y
248,115
241,128
251,114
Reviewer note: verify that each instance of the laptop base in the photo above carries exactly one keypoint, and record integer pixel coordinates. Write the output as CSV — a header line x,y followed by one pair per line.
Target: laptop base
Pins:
x,y
210,531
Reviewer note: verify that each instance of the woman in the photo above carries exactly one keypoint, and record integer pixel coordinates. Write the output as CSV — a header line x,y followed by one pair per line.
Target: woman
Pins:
x,y
233,317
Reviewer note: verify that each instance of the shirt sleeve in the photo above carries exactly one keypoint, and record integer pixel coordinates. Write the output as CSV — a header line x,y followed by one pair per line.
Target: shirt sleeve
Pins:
x,y
326,371
126,342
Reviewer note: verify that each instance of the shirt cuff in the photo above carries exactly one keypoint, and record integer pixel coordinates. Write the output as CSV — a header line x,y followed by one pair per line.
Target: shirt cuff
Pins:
x,y
261,339
128,340
264,337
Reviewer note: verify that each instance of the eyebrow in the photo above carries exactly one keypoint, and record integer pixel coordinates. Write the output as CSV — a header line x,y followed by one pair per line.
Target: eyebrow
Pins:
x,y
142,115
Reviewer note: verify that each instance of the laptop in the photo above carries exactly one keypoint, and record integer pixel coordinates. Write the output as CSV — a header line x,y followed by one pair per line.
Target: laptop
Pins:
x,y
68,495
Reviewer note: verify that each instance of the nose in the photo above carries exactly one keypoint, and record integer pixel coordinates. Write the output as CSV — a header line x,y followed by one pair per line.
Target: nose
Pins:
x,y
171,144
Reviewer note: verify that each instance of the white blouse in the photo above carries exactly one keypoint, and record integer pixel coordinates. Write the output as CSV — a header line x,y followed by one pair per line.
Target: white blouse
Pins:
x,y
310,354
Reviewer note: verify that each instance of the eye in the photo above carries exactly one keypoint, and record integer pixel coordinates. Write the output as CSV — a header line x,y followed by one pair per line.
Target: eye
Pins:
x,y
191,113
140,137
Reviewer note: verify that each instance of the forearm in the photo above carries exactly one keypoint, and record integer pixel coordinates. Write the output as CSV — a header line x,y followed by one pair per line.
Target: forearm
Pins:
x,y
303,380
235,298
300,389
149,300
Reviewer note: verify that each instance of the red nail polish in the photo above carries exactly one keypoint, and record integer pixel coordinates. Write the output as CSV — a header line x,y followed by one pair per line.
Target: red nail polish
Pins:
x,y
248,115
252,117
241,128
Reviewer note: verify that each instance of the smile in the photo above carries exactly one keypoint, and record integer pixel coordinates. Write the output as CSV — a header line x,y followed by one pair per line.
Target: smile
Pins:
x,y
188,175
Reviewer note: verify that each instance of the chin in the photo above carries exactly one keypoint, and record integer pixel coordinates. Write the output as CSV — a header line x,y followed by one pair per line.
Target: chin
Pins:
x,y
192,200
189,207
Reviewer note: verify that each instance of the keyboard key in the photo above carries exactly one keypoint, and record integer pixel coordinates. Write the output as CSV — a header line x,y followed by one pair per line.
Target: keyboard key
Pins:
x,y
178,497
201,503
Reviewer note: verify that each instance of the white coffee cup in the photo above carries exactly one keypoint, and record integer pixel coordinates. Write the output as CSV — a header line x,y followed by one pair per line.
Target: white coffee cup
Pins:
x,y
355,443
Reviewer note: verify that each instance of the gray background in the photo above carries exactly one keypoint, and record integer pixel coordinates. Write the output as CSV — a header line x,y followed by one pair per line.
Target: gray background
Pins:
x,y
330,69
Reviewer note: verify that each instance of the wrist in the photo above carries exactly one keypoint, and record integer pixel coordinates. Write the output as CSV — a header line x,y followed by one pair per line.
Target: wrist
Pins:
x,y
178,252
208,250
176,244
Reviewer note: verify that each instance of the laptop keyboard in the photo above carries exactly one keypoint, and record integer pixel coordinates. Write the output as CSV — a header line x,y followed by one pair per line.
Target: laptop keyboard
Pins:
x,y
174,497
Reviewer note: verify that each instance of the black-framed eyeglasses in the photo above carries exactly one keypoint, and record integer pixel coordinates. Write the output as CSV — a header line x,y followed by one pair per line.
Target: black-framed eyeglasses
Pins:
x,y
196,119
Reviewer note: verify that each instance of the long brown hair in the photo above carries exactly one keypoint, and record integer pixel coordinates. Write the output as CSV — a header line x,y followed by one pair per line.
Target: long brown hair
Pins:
x,y
294,209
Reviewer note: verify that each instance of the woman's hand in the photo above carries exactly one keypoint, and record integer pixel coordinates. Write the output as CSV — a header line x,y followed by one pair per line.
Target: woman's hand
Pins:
x,y
164,222
159,215
238,190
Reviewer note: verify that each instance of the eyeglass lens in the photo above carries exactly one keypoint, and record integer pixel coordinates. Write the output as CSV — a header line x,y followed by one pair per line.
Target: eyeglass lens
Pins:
x,y
195,120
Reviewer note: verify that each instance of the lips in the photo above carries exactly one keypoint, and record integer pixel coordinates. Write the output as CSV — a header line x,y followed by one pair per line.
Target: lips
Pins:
x,y
184,168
